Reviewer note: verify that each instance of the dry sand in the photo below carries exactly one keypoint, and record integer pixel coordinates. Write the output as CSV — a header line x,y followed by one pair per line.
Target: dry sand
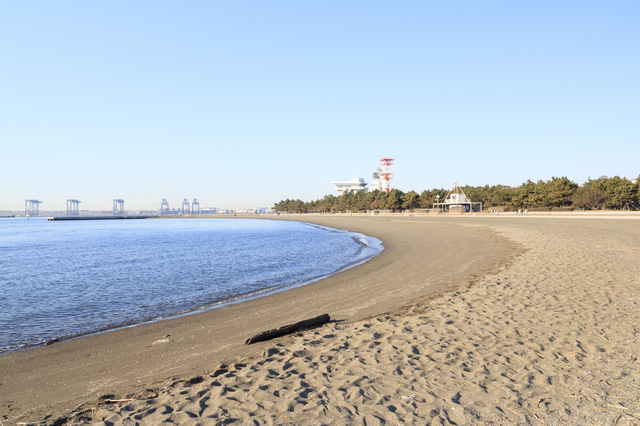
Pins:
x,y
551,338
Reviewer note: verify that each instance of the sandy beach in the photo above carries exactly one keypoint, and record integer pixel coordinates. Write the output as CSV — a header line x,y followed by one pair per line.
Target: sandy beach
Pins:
x,y
461,320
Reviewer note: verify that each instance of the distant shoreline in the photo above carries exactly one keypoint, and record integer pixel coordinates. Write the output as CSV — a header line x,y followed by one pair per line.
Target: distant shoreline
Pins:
x,y
282,215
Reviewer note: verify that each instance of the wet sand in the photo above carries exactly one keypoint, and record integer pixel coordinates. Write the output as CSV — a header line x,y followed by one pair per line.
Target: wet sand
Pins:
x,y
538,324
47,382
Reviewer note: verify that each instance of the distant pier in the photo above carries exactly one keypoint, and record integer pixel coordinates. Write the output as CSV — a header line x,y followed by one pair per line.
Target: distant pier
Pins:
x,y
110,217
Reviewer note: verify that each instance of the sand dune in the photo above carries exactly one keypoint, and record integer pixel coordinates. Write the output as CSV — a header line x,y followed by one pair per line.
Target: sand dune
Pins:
x,y
551,338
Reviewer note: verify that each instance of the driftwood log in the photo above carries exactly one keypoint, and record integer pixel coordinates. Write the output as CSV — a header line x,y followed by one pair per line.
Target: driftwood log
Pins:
x,y
288,329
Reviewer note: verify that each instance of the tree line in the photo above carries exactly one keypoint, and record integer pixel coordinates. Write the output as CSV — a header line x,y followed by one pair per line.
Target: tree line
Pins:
x,y
614,193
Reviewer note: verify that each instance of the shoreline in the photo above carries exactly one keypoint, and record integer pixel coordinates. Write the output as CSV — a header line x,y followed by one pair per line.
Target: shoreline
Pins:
x,y
371,248
114,362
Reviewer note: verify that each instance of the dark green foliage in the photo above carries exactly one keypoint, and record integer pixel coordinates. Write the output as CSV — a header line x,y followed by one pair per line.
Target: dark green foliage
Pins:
x,y
394,200
411,200
554,193
621,191
557,193
589,198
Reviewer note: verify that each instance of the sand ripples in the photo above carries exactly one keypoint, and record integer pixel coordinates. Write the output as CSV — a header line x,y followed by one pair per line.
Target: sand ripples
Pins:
x,y
550,339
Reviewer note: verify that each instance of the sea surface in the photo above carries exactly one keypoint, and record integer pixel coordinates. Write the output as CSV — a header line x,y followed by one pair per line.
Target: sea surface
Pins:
x,y
70,278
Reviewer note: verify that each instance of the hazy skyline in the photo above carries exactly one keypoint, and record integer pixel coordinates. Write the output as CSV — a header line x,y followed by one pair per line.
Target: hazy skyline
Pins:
x,y
245,104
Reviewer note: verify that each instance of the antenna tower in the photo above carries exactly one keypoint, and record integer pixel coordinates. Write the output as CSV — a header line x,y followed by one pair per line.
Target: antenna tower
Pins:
x,y
386,174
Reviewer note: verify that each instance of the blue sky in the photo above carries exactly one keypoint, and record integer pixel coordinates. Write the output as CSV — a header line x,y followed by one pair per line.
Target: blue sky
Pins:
x,y
242,104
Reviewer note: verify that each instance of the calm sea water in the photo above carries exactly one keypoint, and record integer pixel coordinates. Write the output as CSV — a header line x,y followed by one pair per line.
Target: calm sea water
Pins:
x,y
71,278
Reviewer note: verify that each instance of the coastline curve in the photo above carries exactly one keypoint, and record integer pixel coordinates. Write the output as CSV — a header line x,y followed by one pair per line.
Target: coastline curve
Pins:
x,y
422,259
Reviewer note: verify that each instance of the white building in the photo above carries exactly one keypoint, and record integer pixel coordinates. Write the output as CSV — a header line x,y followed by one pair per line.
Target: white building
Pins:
x,y
353,185
377,182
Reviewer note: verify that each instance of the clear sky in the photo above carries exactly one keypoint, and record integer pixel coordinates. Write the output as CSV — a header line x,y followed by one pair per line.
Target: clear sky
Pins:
x,y
242,104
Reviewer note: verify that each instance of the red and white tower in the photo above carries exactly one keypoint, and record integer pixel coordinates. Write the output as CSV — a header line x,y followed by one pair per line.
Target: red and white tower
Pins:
x,y
386,173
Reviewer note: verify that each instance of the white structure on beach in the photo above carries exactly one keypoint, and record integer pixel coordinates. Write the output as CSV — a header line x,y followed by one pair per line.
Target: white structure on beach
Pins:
x,y
353,185
457,200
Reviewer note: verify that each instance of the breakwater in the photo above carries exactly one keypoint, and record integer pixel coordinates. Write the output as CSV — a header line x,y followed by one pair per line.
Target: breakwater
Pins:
x,y
100,217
